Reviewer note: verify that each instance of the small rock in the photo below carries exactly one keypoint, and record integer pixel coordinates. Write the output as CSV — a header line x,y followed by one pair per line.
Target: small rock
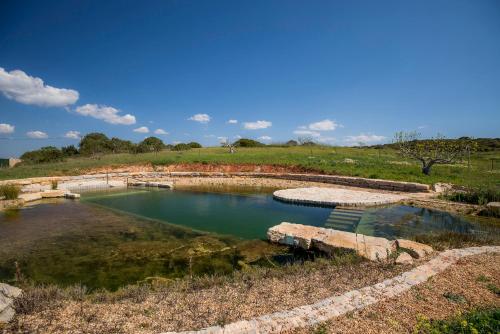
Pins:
x,y
494,207
7,295
404,258
420,250
441,187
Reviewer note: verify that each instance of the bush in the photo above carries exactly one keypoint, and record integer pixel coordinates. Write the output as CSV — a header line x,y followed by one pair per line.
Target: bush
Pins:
x,y
181,147
45,154
194,144
478,195
94,143
477,321
69,151
150,144
245,142
9,191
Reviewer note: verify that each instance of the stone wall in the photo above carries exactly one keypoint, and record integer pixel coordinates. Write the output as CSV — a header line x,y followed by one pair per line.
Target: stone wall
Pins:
x,y
43,183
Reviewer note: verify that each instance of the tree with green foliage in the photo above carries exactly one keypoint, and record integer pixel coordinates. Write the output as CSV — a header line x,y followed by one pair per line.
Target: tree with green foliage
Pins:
x,y
181,147
118,145
245,142
430,152
95,143
150,144
194,144
45,154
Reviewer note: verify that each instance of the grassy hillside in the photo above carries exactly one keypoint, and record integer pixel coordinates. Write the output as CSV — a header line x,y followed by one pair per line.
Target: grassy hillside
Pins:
x,y
368,162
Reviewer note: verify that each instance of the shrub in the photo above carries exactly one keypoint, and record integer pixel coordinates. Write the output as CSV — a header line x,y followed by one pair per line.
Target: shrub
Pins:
x,y
150,144
477,195
53,184
181,147
194,144
94,143
69,151
245,142
45,154
477,321
9,191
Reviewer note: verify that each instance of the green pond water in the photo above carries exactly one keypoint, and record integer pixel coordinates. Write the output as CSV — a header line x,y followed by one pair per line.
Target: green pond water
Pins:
x,y
113,238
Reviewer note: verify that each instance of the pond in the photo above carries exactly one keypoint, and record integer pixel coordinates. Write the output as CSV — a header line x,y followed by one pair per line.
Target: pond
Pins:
x,y
113,238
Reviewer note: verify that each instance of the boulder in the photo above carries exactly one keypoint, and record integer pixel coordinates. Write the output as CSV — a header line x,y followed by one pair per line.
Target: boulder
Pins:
x,y
7,295
404,258
419,250
441,187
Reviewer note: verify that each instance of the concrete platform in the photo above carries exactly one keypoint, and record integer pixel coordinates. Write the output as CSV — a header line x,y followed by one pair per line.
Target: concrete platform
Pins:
x,y
336,197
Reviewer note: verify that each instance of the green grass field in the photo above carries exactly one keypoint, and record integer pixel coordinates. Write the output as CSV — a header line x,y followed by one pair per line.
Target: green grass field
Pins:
x,y
370,163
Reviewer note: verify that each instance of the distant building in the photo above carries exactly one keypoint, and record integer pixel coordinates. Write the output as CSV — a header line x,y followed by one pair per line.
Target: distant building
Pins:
x,y
11,162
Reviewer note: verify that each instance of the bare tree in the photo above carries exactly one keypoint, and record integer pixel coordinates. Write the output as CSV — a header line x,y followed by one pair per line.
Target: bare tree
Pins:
x,y
429,152
226,143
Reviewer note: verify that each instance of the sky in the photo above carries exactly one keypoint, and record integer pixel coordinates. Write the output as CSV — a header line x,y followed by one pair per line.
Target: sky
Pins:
x,y
340,72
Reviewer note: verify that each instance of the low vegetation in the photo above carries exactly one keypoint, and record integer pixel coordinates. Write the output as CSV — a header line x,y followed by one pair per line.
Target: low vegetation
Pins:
x,y
474,322
9,191
475,195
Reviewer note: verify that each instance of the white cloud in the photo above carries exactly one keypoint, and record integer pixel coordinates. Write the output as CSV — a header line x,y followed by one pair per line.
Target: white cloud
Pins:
x,y
37,134
72,135
324,125
201,118
307,133
422,127
237,137
142,129
222,139
6,128
265,138
209,136
18,86
105,113
233,121
161,132
364,138
257,125
326,140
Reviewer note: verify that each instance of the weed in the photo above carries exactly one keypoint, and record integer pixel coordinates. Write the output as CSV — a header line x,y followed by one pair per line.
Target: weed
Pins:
x,y
9,191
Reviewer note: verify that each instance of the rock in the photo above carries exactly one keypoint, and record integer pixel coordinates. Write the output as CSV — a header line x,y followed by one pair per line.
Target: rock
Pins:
x,y
404,258
289,234
349,161
441,187
418,249
7,295
328,240
53,193
494,207
72,195
30,197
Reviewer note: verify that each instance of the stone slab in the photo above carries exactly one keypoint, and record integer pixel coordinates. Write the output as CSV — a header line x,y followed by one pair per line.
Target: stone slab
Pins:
x,y
335,197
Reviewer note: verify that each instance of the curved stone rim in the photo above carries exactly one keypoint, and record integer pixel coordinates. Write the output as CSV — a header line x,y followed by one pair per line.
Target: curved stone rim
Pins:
x,y
332,307
290,196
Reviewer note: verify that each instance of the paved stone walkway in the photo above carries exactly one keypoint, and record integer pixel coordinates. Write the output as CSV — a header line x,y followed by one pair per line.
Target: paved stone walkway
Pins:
x,y
336,196
326,309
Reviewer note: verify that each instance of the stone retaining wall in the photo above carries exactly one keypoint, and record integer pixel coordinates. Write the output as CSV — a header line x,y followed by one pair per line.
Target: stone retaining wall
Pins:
x,y
43,183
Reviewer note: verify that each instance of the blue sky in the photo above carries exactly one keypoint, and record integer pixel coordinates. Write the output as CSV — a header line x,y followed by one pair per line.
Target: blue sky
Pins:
x,y
342,72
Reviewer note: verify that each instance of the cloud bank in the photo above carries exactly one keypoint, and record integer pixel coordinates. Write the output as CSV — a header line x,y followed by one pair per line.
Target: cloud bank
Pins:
x,y
19,86
201,118
6,128
105,113
37,134
257,125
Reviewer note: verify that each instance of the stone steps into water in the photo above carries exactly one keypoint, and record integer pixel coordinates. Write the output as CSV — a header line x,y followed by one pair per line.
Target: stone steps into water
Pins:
x,y
344,219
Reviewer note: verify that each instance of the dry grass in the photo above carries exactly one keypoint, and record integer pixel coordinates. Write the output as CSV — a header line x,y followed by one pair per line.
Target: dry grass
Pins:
x,y
465,286
193,304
